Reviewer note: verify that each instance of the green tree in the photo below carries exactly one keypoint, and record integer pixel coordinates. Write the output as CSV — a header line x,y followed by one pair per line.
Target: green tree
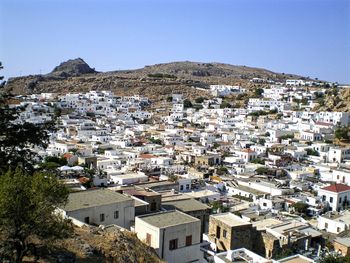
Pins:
x,y
59,160
187,103
225,104
258,161
17,139
336,259
2,83
300,207
27,210
342,133
261,141
199,100
312,152
258,92
262,170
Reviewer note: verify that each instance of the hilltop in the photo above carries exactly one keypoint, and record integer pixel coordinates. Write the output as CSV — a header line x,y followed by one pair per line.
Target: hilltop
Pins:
x,y
154,81
92,245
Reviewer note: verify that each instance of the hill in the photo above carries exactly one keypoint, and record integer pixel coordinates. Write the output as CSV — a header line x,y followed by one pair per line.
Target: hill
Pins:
x,y
94,245
154,81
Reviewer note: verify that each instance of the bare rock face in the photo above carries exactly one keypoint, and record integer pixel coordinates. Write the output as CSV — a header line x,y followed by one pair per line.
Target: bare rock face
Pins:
x,y
72,68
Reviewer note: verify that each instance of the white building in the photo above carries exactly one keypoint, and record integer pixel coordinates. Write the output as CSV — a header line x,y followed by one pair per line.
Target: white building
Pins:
x,y
100,207
334,222
337,196
174,235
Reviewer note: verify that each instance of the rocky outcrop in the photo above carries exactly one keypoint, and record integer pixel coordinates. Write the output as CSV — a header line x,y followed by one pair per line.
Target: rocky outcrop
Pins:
x,y
71,68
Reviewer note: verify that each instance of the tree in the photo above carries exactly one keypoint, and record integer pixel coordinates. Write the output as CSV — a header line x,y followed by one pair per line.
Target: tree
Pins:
x,y
261,141
312,152
2,83
300,207
27,210
225,104
258,92
199,100
60,161
342,133
187,103
221,170
262,170
258,161
336,259
18,139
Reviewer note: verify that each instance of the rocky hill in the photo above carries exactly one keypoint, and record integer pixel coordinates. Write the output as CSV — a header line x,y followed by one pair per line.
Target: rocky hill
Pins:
x,y
337,100
154,81
95,245
71,68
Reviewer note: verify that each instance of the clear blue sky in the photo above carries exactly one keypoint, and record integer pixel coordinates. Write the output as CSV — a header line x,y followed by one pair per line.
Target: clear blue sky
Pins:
x,y
308,37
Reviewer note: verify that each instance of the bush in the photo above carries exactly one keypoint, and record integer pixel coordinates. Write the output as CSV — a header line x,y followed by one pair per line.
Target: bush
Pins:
x,y
300,207
155,141
312,152
258,92
199,100
262,170
187,103
258,161
342,133
221,170
225,104
287,136
161,76
53,159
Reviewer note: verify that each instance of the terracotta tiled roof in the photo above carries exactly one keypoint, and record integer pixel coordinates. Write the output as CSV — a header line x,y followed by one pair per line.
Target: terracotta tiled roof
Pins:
x,y
146,156
67,155
337,188
323,123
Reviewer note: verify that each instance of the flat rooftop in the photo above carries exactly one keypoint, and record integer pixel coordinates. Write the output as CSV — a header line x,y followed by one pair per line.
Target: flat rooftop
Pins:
x,y
185,205
130,175
262,224
343,240
169,218
250,190
230,219
296,259
93,198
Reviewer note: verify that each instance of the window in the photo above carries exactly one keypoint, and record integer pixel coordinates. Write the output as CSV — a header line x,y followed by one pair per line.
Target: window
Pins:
x,y
187,186
188,240
87,220
181,187
173,244
323,198
102,217
326,225
218,230
331,199
264,204
338,229
224,233
116,214
340,200
148,239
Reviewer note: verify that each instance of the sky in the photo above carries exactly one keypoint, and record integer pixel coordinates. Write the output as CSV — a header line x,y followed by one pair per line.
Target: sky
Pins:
x,y
306,37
